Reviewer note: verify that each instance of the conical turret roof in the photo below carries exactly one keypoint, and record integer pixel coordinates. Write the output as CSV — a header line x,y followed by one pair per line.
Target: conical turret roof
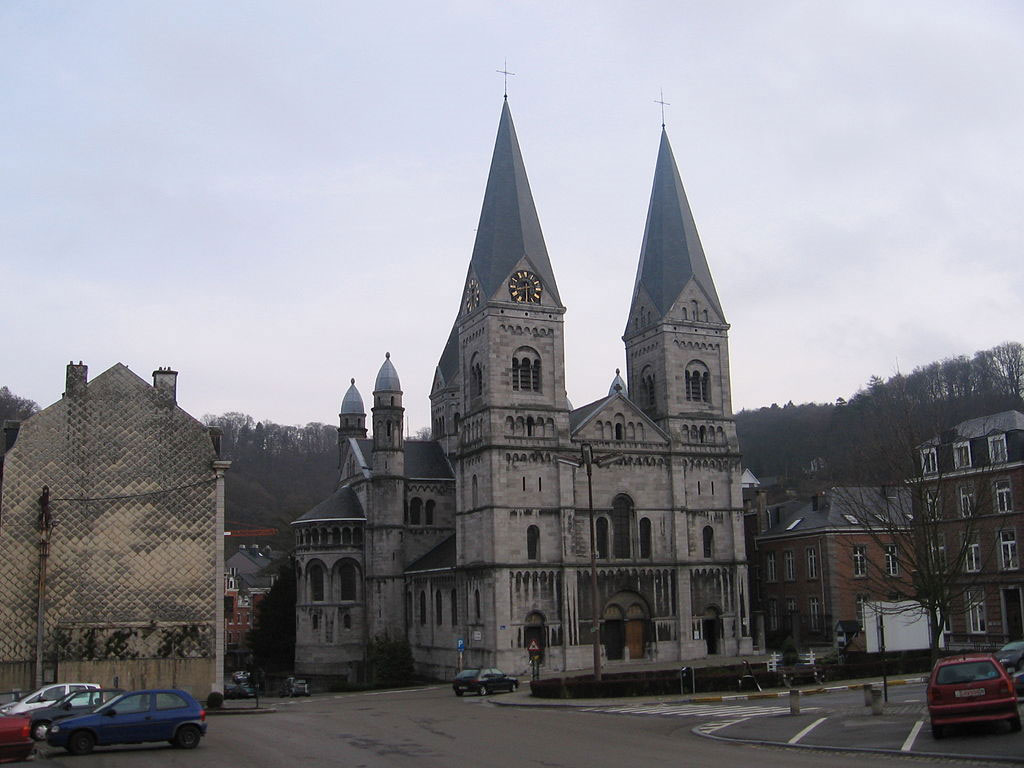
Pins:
x,y
352,403
618,384
671,254
387,377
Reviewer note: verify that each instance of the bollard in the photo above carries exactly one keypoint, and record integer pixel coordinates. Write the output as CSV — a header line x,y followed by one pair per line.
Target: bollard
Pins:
x,y
867,694
876,701
794,702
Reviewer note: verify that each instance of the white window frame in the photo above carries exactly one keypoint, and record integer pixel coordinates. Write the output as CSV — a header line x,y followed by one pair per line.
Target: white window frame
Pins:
x,y
788,565
862,601
962,454
997,449
814,612
790,606
972,557
773,614
929,462
939,547
966,492
1008,550
892,560
975,600
860,561
1002,491
812,563
770,574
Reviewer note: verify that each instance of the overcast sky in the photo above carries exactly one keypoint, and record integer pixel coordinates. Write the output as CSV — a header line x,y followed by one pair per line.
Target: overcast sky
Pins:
x,y
268,196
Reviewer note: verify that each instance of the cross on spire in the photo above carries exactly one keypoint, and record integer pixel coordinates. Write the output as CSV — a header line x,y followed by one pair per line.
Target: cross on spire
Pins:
x,y
664,104
504,71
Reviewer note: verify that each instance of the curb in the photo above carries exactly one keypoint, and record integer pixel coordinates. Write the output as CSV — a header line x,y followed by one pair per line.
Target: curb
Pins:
x,y
231,711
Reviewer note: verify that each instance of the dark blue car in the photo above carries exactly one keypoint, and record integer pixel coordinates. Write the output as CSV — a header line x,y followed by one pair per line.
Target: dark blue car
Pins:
x,y
131,718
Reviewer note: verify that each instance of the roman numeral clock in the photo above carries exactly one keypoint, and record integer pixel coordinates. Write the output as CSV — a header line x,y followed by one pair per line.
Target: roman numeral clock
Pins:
x,y
525,287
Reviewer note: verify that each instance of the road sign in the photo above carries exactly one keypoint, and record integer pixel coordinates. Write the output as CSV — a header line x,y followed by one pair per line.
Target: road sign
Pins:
x,y
460,645
533,647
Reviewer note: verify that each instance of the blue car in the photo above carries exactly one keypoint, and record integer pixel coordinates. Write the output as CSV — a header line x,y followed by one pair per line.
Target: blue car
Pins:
x,y
131,718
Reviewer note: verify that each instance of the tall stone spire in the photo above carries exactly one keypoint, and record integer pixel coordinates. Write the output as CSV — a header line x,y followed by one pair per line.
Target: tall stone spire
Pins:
x,y
671,255
509,228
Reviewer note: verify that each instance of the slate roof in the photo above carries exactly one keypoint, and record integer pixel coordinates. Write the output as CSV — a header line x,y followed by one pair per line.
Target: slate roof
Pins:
x,y
424,459
671,253
342,504
997,423
249,561
387,377
618,384
579,415
799,518
353,401
441,556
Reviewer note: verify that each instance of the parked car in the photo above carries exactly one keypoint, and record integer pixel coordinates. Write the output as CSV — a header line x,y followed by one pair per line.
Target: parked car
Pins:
x,y
483,681
1018,684
968,689
241,677
233,691
1010,655
294,686
75,703
44,697
15,741
132,718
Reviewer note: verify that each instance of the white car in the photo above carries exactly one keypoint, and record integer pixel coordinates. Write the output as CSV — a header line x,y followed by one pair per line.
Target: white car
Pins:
x,y
44,697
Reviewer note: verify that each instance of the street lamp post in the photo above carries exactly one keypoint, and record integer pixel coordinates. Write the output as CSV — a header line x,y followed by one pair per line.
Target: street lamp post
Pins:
x,y
595,625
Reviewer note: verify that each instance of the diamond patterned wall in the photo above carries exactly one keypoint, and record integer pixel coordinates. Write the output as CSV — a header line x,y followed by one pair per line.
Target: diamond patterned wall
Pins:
x,y
132,568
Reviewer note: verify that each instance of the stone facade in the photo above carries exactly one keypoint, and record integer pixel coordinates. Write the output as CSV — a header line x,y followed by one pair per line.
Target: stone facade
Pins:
x,y
476,544
111,539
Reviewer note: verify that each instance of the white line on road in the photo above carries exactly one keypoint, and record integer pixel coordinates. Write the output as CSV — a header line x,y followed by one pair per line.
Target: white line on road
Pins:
x,y
909,743
808,729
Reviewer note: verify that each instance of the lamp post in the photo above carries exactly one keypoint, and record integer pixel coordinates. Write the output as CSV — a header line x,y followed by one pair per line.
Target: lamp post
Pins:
x,y
588,461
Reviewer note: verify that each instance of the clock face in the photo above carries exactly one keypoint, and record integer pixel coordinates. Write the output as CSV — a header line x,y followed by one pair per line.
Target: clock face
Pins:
x,y
524,287
472,295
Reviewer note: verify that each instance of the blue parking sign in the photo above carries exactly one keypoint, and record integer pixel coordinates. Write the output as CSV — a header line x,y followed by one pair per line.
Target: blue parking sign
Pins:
x,y
460,644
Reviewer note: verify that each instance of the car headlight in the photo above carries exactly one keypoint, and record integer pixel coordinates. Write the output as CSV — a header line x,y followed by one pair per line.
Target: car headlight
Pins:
x,y
54,728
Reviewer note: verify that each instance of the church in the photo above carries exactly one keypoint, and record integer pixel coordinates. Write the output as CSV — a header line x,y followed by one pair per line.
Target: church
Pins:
x,y
477,545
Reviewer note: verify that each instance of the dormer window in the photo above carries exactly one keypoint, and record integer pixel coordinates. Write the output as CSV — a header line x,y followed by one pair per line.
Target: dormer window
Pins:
x,y
997,449
929,463
961,455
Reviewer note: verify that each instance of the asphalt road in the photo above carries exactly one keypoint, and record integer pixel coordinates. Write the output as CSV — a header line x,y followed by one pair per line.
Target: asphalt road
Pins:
x,y
432,728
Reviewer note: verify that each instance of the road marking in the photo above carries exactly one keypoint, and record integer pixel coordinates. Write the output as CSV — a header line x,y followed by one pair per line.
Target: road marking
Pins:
x,y
706,728
693,710
805,731
403,690
909,743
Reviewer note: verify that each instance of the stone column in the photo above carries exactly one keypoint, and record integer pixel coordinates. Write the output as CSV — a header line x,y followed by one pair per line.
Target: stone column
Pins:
x,y
217,684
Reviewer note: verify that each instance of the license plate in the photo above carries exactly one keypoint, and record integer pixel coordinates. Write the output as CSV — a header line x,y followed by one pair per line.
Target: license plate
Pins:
x,y
969,692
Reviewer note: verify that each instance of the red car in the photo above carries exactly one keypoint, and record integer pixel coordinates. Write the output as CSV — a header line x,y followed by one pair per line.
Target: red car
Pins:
x,y
15,738
970,689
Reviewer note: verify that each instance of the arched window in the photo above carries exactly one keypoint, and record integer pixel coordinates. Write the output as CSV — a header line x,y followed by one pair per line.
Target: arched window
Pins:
x,y
357,537
622,514
709,541
703,434
601,527
529,426
316,583
423,607
429,512
645,537
346,536
475,489
476,603
698,382
532,543
336,536
438,608
347,575
647,386
476,378
347,621
618,431
526,370
455,608
415,506
408,609
389,427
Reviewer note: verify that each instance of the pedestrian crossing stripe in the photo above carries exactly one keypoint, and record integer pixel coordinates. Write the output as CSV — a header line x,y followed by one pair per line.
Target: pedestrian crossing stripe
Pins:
x,y
695,710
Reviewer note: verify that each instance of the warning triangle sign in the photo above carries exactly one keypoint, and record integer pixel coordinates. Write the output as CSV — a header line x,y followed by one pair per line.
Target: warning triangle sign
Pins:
x,y
533,646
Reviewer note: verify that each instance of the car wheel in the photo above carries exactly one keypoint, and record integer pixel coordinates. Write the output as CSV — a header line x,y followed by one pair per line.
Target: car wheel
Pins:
x,y
1015,723
40,730
458,692
482,691
937,731
81,743
187,737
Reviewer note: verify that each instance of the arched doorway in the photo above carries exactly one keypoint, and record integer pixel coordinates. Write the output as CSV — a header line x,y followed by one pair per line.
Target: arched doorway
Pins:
x,y
613,632
636,623
711,628
535,631
625,626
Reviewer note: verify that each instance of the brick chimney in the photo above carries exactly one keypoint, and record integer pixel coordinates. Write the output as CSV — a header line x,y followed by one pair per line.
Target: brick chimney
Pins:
x,y
165,382
76,380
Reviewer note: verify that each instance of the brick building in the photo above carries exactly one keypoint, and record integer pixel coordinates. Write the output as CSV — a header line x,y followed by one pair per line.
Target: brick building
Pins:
x,y
111,539
247,581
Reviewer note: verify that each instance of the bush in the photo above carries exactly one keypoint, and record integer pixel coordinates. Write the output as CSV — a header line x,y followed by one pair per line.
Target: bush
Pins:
x,y
215,700
391,661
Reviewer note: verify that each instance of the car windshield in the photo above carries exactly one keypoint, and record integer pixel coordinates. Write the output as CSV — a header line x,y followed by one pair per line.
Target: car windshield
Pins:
x,y
968,672
467,674
111,703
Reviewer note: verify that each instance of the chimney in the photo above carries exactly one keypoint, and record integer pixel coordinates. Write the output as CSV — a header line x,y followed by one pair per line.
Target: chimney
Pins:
x,y
165,382
77,377
216,433
10,434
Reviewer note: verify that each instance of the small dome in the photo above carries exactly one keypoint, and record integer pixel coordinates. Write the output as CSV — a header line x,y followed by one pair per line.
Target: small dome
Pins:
x,y
353,401
618,385
387,377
